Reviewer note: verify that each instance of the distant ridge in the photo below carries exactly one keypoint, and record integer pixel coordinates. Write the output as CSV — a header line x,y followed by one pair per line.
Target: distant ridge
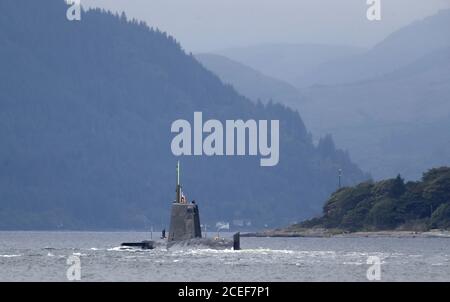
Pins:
x,y
86,110
251,83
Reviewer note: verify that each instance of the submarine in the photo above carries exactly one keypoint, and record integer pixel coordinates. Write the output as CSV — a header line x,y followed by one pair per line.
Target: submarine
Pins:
x,y
185,228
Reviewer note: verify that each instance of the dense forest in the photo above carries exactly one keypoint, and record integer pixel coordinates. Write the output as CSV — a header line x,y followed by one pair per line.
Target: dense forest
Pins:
x,y
85,115
390,204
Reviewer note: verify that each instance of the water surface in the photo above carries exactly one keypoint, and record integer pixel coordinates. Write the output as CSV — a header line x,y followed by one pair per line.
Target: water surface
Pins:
x,y
42,256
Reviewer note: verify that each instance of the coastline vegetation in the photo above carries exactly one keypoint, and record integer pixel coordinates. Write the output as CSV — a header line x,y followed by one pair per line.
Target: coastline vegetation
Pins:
x,y
391,204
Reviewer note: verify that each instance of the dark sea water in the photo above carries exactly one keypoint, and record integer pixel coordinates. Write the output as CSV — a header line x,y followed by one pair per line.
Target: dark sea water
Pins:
x,y
42,256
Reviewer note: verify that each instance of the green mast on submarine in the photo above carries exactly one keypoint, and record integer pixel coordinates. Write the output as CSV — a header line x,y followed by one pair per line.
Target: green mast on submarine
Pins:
x,y
178,189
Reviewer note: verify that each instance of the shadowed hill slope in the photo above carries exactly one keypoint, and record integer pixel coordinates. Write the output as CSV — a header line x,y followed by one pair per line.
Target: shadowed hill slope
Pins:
x,y
85,115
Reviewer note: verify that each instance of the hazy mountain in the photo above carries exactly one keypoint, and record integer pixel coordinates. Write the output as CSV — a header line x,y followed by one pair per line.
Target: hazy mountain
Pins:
x,y
85,115
249,82
390,115
393,123
289,62
399,49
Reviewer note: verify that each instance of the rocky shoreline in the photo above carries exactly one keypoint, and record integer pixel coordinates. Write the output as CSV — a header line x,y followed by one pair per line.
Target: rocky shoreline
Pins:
x,y
327,233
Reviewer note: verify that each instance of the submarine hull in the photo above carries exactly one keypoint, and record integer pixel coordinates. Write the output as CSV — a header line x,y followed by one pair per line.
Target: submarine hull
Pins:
x,y
197,243
145,245
211,243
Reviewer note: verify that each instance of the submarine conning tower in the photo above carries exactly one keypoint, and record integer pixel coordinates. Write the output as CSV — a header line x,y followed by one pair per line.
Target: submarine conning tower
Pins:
x,y
185,217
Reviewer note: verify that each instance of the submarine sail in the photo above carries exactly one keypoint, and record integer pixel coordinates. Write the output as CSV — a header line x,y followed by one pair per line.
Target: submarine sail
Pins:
x,y
185,216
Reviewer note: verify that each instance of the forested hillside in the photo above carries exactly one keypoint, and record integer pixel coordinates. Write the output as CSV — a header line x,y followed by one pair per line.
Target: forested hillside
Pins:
x,y
85,115
390,204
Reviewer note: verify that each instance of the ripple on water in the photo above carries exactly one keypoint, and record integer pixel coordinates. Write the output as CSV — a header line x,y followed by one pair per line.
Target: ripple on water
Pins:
x,y
79,254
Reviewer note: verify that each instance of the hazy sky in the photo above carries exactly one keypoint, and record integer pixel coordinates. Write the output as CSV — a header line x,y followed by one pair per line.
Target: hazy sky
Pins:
x,y
204,25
